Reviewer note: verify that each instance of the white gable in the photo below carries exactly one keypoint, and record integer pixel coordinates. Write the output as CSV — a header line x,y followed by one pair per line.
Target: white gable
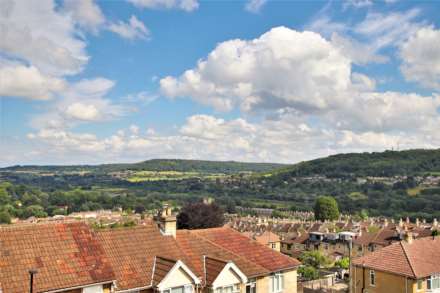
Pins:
x,y
178,276
230,275
175,278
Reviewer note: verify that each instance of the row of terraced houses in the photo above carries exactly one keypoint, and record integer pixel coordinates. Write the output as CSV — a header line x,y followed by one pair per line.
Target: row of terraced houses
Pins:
x,y
151,257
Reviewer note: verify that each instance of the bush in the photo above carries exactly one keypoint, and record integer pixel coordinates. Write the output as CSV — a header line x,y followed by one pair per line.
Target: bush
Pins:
x,y
308,273
5,218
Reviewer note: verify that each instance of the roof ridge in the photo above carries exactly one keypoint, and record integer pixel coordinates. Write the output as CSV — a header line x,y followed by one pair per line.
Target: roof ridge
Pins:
x,y
407,258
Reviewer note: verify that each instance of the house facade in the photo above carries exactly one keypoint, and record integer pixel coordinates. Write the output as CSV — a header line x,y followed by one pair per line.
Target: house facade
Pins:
x,y
152,257
409,266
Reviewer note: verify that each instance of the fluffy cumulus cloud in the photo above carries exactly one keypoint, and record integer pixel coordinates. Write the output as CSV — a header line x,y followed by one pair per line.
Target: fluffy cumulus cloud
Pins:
x,y
287,139
35,32
28,82
421,58
133,29
282,68
87,13
186,5
83,101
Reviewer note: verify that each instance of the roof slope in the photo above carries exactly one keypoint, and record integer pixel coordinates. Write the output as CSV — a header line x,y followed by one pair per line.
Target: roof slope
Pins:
x,y
131,252
213,268
196,248
65,255
162,266
418,259
247,248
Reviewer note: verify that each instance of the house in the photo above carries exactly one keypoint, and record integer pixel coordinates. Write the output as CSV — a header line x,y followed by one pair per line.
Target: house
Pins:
x,y
267,238
152,257
409,266
66,257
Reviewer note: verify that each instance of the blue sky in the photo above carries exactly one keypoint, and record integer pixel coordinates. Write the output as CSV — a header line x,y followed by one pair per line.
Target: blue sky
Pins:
x,y
89,81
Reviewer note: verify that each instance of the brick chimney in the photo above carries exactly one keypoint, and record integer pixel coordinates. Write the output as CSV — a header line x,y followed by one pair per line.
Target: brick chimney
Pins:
x,y
166,221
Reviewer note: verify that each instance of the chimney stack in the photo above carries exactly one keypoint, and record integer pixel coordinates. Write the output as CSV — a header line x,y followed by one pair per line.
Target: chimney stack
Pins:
x,y
166,221
409,237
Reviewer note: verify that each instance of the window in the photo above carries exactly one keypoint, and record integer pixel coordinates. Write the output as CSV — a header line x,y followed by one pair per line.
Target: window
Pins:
x,y
276,283
228,289
181,289
274,245
251,286
434,282
372,278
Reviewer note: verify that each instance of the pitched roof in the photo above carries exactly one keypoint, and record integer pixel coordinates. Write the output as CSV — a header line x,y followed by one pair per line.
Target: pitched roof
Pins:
x,y
161,267
131,252
365,239
196,248
418,259
247,248
65,255
213,268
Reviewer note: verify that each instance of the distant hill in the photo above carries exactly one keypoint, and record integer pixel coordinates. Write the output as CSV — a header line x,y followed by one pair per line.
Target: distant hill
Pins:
x,y
388,163
225,167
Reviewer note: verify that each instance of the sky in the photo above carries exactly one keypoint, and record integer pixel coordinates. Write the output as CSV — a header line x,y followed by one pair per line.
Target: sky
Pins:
x,y
89,82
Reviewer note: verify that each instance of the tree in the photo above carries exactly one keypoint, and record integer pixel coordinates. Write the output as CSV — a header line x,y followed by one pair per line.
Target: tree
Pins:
x,y
308,273
5,218
314,259
199,215
343,263
326,208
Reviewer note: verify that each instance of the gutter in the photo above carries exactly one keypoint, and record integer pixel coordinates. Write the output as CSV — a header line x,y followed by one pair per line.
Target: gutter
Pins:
x,y
79,287
135,289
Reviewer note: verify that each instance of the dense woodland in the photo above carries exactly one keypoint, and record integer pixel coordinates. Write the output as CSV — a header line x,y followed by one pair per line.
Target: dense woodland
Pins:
x,y
32,191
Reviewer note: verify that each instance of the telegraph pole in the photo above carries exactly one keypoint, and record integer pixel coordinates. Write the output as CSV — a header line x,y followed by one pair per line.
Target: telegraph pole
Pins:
x,y
350,248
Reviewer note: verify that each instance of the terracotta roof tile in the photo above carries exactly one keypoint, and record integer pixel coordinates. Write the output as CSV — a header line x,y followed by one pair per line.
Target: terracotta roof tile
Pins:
x,y
162,266
131,252
416,260
249,249
213,267
65,255
196,248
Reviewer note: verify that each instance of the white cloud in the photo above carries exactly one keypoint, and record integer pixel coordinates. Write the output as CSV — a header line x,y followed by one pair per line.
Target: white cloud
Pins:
x,y
87,13
255,6
287,139
421,58
133,29
282,68
390,29
35,32
186,5
28,82
357,3
358,52
83,101
82,111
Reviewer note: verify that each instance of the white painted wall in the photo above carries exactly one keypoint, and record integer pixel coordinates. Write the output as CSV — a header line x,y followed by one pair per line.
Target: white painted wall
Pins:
x,y
175,278
226,278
